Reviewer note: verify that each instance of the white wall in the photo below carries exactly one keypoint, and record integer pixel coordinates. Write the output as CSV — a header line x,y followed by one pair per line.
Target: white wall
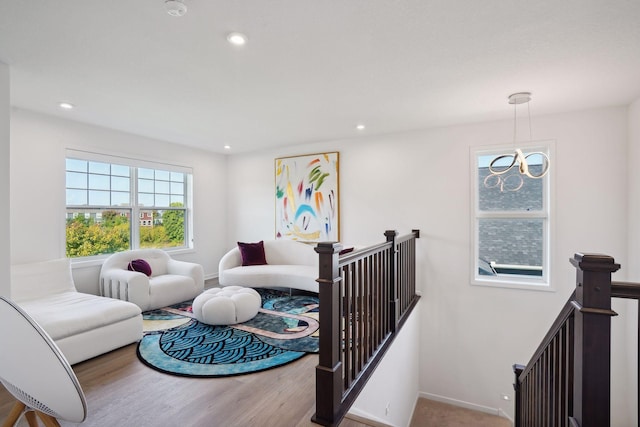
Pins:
x,y
634,188
5,99
38,144
396,376
633,268
470,335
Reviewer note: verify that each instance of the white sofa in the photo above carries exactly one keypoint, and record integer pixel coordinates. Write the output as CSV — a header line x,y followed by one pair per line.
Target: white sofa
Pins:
x,y
290,264
171,281
82,325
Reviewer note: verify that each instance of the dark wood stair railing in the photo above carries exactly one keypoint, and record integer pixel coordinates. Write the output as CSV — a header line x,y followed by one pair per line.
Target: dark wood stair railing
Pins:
x,y
365,297
629,290
567,381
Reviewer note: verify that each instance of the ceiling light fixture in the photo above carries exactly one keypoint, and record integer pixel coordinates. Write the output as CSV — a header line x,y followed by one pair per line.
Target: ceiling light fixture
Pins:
x,y
66,105
237,39
538,161
360,127
227,147
175,7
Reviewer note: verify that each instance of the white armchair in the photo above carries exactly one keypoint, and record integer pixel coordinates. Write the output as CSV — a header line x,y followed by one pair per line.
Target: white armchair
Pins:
x,y
171,281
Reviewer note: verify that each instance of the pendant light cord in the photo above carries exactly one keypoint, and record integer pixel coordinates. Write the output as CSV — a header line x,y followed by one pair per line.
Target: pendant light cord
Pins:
x,y
529,112
515,122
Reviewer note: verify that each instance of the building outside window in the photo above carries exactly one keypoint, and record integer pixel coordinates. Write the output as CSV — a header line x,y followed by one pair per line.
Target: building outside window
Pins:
x,y
104,194
511,224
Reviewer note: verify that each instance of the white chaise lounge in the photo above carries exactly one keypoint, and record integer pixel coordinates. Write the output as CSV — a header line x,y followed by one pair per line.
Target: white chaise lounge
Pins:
x,y
82,325
290,264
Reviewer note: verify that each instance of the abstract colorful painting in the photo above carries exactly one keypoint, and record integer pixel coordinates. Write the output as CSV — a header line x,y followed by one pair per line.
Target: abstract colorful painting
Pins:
x,y
307,198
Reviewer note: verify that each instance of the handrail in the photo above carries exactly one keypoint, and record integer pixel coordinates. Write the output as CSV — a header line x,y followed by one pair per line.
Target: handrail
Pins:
x,y
544,397
631,290
565,313
567,382
362,253
628,290
365,296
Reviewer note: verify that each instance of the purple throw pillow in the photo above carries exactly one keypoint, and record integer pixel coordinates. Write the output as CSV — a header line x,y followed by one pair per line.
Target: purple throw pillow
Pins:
x,y
140,266
252,253
345,251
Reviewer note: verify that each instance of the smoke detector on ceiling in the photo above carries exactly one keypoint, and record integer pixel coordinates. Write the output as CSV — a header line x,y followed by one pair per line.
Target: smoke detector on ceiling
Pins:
x,y
175,7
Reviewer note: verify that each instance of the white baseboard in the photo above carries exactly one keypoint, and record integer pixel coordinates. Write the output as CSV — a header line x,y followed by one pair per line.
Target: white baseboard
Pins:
x,y
468,405
505,415
366,418
210,276
415,403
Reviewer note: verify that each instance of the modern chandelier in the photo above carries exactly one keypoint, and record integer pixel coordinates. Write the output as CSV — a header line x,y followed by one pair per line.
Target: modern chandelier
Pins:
x,y
503,163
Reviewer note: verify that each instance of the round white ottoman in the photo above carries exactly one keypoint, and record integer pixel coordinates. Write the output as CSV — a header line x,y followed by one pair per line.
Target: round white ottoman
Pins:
x,y
226,306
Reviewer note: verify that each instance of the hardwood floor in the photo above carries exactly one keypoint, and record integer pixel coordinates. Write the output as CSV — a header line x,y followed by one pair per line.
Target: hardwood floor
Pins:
x,y
121,391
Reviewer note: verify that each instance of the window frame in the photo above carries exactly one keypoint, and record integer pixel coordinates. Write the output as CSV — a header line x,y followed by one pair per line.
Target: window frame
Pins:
x,y
506,280
133,208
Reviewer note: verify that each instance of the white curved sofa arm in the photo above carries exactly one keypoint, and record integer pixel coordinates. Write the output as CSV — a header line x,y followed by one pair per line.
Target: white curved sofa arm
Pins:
x,y
125,285
184,268
230,260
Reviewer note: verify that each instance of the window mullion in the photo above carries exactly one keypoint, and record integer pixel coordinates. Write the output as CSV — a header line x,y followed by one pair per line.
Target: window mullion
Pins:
x,y
135,209
185,210
512,214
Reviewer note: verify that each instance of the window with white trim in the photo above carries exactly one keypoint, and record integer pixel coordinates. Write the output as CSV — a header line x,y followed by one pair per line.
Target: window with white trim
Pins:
x,y
115,204
511,223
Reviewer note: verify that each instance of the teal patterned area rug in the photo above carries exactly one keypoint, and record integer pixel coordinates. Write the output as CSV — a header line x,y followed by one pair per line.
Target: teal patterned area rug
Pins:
x,y
285,329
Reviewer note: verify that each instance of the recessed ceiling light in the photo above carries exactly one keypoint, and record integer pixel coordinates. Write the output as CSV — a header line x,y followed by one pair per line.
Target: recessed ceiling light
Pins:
x,y
360,127
66,105
237,39
227,147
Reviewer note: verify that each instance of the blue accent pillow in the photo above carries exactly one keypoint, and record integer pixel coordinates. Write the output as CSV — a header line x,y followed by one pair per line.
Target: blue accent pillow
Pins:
x,y
140,266
252,253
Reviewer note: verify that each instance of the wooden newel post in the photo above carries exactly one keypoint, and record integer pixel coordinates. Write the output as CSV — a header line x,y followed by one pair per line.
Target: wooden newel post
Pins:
x,y
592,339
517,370
394,300
329,369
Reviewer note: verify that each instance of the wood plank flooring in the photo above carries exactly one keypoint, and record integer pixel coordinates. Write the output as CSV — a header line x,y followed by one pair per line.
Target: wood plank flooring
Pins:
x,y
121,391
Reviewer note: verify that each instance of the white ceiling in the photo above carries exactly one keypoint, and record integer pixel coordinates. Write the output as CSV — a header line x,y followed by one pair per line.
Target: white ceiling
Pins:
x,y
313,69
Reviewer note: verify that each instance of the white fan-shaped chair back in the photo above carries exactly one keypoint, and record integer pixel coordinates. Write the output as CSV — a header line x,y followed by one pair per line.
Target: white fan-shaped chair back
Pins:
x,y
33,368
